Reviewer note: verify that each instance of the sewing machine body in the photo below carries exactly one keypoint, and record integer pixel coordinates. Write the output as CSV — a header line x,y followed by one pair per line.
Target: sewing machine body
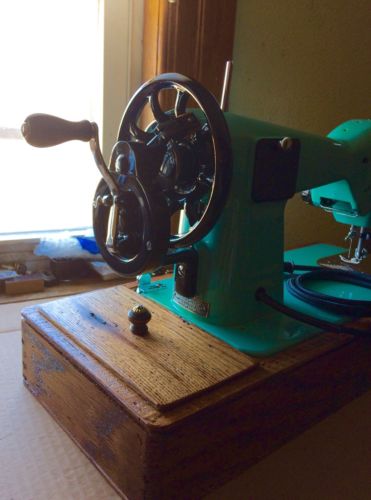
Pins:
x,y
245,249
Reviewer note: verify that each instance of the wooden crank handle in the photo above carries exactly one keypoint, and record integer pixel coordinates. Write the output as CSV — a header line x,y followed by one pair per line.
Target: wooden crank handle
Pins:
x,y
43,131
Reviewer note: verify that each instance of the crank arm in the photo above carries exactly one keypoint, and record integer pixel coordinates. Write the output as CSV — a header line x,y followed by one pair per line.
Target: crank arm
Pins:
x,y
43,131
112,228
101,164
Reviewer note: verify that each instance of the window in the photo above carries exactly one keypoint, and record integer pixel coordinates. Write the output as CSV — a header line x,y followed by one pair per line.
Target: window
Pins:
x,y
53,61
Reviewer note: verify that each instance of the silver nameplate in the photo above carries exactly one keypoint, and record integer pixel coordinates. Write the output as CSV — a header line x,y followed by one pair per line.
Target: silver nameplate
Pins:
x,y
194,304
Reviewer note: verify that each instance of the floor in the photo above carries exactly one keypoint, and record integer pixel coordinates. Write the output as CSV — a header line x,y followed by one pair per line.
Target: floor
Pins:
x,y
38,461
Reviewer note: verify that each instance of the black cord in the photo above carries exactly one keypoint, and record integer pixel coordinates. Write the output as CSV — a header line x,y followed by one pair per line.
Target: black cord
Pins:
x,y
297,286
290,267
262,296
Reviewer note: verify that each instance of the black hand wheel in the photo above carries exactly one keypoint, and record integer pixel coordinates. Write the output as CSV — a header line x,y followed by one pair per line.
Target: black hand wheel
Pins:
x,y
198,150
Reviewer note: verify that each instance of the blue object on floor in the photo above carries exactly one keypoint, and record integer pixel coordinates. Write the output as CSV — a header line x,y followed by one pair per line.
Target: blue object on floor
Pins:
x,y
88,243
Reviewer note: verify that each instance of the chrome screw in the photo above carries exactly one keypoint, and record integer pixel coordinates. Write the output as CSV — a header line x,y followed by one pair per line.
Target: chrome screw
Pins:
x,y
286,143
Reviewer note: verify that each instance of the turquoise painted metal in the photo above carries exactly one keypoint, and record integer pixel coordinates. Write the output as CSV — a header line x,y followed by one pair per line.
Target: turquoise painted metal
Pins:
x,y
350,196
244,250
272,332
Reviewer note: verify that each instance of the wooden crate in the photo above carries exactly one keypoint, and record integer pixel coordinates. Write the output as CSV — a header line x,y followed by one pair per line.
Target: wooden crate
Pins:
x,y
177,412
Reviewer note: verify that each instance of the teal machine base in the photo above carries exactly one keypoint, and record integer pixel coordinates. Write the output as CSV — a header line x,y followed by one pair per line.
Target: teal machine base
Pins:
x,y
275,332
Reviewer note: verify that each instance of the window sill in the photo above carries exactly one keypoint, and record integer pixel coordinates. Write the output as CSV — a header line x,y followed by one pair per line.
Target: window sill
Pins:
x,y
36,236
19,247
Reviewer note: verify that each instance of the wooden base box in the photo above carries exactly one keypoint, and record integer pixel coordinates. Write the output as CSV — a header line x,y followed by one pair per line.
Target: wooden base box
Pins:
x,y
176,413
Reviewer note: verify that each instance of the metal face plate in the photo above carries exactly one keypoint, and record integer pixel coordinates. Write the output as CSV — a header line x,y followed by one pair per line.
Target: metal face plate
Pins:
x,y
195,304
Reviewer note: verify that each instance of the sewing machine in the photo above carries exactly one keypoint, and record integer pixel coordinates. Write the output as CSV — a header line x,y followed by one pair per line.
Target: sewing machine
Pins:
x,y
230,177
162,408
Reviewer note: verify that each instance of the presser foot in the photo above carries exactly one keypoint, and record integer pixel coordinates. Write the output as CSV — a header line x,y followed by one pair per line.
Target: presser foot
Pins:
x,y
356,258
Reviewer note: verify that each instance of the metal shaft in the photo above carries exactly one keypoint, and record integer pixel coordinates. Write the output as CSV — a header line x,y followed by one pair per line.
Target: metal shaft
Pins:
x,y
226,85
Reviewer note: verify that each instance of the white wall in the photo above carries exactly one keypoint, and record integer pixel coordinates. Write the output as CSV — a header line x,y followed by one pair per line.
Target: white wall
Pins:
x,y
305,64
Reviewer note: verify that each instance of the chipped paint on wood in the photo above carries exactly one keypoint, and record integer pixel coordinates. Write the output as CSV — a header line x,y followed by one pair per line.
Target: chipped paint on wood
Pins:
x,y
42,363
101,427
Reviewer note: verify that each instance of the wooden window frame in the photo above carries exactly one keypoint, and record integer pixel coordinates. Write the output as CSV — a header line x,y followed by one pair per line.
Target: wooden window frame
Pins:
x,y
192,37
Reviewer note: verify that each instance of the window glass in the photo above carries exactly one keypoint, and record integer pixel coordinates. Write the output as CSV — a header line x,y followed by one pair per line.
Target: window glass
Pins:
x,y
50,64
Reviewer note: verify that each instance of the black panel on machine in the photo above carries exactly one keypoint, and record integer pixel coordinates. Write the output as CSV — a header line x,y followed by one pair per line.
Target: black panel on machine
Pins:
x,y
276,169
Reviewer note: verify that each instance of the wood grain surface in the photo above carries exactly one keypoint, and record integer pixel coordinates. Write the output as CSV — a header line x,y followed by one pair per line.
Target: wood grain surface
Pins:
x,y
98,425
191,448
174,362
149,416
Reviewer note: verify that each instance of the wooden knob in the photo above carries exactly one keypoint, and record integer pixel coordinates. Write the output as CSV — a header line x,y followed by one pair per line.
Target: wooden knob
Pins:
x,y
139,316
42,131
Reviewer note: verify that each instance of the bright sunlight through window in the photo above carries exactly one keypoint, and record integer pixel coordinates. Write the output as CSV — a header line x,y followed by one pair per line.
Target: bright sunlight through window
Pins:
x,y
49,64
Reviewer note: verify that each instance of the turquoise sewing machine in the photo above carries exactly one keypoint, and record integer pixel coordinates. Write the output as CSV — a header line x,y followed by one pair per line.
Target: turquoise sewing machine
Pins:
x,y
229,177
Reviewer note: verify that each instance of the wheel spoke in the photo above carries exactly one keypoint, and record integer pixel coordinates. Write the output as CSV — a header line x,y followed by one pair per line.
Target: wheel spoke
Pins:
x,y
158,113
140,134
181,102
